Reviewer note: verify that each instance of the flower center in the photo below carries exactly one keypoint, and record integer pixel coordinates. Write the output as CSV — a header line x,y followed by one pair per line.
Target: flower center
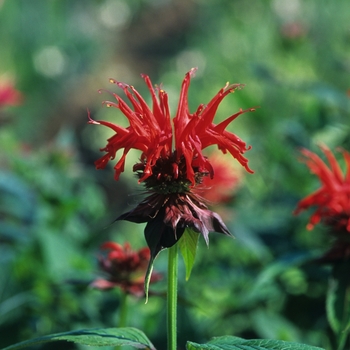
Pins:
x,y
169,175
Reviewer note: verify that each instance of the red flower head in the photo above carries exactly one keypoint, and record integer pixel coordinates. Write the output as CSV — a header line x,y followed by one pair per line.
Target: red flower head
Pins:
x,y
332,200
124,269
151,131
171,161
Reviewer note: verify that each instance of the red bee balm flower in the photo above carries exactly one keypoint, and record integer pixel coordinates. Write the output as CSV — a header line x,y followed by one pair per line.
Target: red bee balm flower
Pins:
x,y
151,131
332,200
170,173
124,268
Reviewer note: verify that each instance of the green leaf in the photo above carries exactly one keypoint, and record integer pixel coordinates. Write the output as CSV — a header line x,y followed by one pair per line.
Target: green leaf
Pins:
x,y
277,327
188,247
277,268
282,264
94,337
338,301
235,343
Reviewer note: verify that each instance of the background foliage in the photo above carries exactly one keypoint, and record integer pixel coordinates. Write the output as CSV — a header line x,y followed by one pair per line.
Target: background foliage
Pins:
x,y
55,209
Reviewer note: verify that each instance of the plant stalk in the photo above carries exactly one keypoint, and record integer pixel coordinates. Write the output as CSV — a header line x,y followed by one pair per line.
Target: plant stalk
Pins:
x,y
172,297
123,313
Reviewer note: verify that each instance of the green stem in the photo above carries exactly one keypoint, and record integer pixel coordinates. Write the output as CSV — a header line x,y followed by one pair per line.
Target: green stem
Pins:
x,y
123,313
338,303
342,337
172,297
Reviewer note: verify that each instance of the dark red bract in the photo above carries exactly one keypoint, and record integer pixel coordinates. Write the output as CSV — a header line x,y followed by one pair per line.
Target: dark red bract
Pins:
x,y
167,217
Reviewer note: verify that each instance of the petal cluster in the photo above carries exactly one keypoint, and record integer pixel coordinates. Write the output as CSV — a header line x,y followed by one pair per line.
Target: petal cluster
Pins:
x,y
194,132
332,199
153,132
124,268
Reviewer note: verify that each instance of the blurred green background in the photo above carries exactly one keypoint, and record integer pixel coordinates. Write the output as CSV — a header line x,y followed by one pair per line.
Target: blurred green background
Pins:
x,y
56,209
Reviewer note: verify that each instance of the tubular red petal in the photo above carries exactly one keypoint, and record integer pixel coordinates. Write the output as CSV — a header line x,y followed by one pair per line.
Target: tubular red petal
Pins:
x,y
346,156
319,168
333,162
223,125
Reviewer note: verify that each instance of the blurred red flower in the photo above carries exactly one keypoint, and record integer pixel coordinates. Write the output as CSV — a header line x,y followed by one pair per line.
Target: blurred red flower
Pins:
x,y
221,188
293,30
9,96
124,269
332,199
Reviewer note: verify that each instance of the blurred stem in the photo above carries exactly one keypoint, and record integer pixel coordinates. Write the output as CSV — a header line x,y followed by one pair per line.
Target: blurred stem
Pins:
x,y
338,303
342,340
123,313
172,297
